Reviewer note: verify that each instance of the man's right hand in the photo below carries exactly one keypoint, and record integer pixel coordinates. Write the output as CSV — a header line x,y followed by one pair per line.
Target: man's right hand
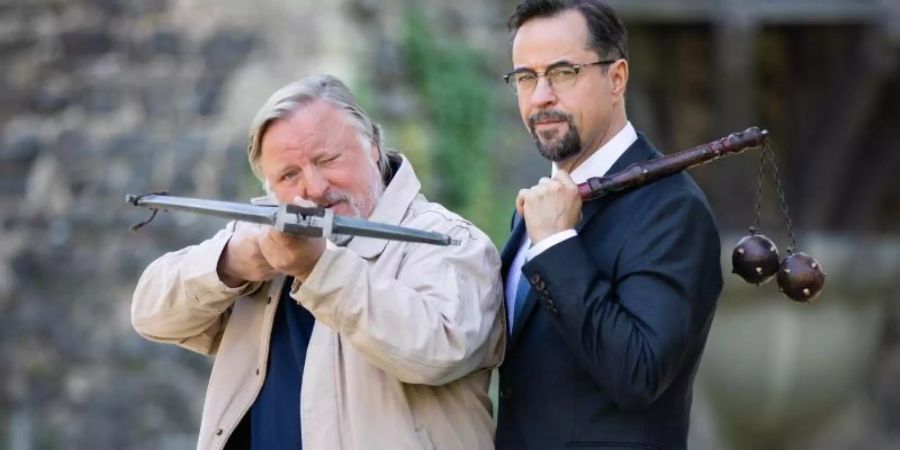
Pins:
x,y
242,260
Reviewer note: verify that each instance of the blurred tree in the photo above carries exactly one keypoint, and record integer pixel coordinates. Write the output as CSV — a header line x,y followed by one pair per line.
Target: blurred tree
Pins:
x,y
451,87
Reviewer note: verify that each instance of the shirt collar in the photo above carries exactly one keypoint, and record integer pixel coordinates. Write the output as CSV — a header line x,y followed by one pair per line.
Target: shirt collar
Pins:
x,y
603,159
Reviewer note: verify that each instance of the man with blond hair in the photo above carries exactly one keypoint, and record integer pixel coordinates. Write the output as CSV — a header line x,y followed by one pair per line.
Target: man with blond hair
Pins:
x,y
355,343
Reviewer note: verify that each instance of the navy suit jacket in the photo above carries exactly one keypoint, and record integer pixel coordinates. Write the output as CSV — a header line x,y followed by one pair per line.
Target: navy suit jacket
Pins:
x,y
610,336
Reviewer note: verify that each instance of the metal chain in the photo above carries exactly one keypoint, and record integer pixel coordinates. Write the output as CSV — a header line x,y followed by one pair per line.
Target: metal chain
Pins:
x,y
759,192
788,225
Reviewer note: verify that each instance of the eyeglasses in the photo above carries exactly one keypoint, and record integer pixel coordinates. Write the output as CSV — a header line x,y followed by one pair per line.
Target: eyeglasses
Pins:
x,y
560,76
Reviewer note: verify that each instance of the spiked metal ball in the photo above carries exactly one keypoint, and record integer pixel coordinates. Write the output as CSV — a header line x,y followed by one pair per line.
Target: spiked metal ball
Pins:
x,y
755,259
801,277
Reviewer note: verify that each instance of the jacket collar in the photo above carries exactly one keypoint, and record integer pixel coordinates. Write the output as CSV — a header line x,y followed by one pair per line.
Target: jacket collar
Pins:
x,y
513,244
600,162
390,208
640,150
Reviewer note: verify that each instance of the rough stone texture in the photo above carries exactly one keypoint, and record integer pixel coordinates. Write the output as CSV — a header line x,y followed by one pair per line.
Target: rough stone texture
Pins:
x,y
99,98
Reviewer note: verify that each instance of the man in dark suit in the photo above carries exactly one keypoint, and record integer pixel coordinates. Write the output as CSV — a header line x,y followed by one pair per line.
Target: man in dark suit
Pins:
x,y
609,302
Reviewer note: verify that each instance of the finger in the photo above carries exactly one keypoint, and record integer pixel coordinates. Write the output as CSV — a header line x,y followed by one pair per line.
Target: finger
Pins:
x,y
300,201
269,240
284,240
546,188
245,228
265,248
569,184
563,177
267,257
544,180
262,231
520,201
266,237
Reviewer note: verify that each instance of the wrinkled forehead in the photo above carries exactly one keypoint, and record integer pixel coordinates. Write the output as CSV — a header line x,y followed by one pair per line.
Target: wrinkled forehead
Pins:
x,y
318,126
543,41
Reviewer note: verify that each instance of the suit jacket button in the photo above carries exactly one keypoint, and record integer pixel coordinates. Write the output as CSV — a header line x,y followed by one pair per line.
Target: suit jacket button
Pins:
x,y
548,303
535,279
505,393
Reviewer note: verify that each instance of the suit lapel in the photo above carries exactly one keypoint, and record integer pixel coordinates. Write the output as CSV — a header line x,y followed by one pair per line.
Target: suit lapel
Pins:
x,y
512,245
640,150
519,322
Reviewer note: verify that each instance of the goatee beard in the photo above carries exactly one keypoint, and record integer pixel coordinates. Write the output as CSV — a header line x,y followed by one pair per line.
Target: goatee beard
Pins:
x,y
561,148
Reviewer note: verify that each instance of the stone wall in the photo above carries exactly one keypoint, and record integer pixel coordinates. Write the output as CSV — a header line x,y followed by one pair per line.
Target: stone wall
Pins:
x,y
99,98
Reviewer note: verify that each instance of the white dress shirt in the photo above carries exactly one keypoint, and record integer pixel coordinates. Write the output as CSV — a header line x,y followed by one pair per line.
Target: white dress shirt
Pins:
x,y
596,165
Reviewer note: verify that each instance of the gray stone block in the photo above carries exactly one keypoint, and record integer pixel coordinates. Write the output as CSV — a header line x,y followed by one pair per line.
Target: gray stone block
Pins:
x,y
208,96
159,100
21,149
49,98
101,98
86,42
161,43
227,49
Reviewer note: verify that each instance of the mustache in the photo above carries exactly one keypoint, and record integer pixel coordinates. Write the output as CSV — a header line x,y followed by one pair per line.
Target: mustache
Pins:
x,y
332,197
356,205
550,114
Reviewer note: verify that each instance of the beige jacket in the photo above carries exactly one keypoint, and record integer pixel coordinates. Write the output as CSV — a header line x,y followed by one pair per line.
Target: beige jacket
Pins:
x,y
404,340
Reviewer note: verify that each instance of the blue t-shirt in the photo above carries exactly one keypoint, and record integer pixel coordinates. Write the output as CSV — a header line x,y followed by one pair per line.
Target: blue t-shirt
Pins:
x,y
275,415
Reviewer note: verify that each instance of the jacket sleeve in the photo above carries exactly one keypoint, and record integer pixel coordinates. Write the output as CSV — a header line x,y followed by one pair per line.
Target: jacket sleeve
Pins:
x,y
633,329
437,320
180,300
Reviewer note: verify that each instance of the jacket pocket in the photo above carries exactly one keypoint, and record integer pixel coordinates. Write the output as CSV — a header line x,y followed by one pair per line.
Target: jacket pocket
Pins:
x,y
605,445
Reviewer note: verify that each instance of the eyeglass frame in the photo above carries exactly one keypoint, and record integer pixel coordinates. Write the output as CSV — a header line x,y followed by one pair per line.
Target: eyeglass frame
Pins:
x,y
577,67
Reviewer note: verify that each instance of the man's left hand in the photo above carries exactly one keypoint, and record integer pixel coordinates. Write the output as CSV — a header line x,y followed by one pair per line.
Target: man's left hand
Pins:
x,y
551,206
289,254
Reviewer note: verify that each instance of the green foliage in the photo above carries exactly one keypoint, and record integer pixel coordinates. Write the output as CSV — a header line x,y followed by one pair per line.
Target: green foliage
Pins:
x,y
454,91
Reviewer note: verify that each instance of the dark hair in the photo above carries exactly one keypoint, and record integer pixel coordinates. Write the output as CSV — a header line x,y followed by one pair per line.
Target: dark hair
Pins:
x,y
608,36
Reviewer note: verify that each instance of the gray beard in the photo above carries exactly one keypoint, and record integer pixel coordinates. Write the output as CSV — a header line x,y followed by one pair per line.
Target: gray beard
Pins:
x,y
563,147
560,149
357,206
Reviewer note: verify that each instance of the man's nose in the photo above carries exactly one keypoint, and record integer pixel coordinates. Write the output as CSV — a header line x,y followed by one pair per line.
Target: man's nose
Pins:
x,y
315,186
543,94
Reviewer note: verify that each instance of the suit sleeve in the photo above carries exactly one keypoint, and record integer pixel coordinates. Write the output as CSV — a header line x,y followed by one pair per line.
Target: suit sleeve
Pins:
x,y
632,329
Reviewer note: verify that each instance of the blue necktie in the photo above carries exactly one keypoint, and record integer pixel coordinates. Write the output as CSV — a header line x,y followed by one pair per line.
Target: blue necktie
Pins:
x,y
521,293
